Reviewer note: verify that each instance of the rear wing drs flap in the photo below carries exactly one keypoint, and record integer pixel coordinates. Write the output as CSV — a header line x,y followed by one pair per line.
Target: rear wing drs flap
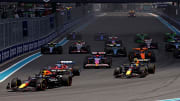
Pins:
x,y
65,62
98,53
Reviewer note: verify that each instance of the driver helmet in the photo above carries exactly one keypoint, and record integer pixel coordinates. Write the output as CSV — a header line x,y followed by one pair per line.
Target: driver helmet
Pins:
x,y
136,60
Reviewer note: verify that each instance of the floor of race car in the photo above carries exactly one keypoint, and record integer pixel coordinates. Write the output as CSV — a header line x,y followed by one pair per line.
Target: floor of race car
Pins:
x,y
99,84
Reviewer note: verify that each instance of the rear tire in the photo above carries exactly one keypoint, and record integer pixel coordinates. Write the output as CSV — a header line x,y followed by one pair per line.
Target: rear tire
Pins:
x,y
41,84
151,68
15,83
143,72
67,80
109,61
85,62
117,71
76,71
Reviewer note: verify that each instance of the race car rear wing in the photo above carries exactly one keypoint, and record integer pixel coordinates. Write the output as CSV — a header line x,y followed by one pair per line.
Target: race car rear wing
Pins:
x,y
143,60
113,45
66,62
140,49
98,53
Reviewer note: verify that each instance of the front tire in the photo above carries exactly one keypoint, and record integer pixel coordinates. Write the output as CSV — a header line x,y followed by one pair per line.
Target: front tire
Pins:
x,y
117,72
67,80
76,71
41,84
151,68
15,83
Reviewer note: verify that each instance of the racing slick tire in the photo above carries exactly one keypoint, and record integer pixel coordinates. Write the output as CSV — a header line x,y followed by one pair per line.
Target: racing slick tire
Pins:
x,y
109,62
117,71
151,68
41,84
67,80
85,62
76,71
142,72
15,83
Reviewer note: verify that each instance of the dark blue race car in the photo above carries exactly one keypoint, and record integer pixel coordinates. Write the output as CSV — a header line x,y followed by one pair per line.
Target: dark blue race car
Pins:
x,y
171,46
97,60
101,36
74,36
115,48
51,48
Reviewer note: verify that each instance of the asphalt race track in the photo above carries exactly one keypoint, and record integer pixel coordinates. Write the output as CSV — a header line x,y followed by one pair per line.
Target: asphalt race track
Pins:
x,y
99,84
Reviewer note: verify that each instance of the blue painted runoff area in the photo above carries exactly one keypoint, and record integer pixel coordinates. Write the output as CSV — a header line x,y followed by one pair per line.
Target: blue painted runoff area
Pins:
x,y
174,99
168,25
15,67
62,42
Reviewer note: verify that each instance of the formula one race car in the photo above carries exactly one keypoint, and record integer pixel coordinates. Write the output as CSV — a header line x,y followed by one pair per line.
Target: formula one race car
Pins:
x,y
79,47
51,48
169,37
74,36
149,44
171,46
101,36
141,37
97,60
34,84
66,67
115,48
131,13
142,53
135,69
45,79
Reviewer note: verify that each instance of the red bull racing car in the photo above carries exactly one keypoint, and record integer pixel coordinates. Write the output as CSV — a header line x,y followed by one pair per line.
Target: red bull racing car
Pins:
x,y
140,68
58,75
42,81
97,60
